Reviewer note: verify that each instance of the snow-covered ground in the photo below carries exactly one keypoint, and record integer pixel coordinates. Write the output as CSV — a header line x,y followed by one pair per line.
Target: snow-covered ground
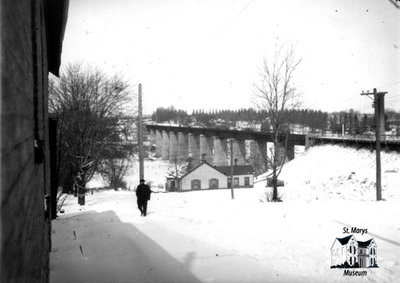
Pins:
x,y
335,172
205,236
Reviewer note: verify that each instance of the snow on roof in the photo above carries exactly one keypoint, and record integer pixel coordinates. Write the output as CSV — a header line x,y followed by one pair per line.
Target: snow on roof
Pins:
x,y
195,168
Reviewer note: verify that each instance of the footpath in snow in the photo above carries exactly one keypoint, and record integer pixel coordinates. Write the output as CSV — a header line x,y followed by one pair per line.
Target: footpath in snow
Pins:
x,y
204,236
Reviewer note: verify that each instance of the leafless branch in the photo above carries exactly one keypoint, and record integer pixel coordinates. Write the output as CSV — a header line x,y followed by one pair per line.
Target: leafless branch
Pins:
x,y
275,93
89,106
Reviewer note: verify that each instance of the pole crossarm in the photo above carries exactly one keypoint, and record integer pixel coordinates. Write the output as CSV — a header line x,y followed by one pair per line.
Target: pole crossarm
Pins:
x,y
374,92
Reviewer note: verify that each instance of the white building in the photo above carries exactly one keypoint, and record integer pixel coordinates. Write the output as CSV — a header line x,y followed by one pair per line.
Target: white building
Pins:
x,y
207,176
204,176
243,175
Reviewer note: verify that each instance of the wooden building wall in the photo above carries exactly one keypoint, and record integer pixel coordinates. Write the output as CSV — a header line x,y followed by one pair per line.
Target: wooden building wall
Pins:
x,y
25,181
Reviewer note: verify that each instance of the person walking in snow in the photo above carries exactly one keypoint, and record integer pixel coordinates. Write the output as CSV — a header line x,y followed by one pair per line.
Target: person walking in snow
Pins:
x,y
143,196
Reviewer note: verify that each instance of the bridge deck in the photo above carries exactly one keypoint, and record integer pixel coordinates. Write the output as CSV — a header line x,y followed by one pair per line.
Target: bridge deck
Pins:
x,y
294,139
387,139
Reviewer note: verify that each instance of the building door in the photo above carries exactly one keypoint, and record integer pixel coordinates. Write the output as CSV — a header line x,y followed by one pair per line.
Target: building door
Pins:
x,y
362,262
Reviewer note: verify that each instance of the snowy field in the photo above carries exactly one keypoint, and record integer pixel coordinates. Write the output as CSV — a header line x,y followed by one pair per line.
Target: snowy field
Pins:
x,y
205,236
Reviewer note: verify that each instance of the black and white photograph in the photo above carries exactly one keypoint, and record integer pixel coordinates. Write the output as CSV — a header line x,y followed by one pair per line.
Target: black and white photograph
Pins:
x,y
194,141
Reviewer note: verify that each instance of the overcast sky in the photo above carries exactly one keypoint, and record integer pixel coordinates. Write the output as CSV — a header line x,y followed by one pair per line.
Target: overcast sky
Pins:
x,y
206,54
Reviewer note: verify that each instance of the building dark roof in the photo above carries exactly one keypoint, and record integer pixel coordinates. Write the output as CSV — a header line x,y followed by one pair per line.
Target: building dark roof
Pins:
x,y
226,170
237,169
344,240
56,12
364,244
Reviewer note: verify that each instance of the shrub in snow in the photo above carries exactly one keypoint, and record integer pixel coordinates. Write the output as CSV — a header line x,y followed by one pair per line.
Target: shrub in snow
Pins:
x,y
61,198
269,197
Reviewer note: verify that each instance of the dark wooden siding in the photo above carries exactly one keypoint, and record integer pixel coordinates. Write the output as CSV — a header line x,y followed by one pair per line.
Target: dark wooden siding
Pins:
x,y
24,183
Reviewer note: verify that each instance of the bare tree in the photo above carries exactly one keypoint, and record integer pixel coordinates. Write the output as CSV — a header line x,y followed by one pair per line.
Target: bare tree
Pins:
x,y
115,159
114,170
275,92
88,106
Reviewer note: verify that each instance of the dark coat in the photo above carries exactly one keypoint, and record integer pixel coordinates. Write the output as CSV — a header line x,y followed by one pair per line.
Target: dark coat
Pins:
x,y
143,192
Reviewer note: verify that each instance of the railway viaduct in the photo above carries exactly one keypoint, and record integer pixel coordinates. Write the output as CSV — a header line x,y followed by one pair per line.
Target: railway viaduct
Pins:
x,y
211,144
179,143
388,142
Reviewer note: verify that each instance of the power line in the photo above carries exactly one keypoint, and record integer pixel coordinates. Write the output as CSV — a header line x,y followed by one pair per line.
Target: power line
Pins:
x,y
394,98
234,19
389,85
345,101
395,3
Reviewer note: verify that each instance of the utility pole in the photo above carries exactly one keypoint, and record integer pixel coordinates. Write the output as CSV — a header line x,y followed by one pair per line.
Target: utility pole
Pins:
x,y
140,135
176,174
379,107
231,147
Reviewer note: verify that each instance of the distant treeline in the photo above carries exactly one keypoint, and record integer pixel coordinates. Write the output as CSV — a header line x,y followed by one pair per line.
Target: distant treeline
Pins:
x,y
317,121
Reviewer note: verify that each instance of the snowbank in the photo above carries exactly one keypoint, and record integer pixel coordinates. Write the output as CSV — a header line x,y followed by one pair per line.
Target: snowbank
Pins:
x,y
208,237
335,172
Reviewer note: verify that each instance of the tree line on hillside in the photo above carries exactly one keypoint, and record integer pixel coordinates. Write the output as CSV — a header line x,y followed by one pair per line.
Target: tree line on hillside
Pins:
x,y
310,118
351,121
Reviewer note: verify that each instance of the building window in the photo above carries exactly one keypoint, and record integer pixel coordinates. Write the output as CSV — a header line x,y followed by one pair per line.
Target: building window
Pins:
x,y
196,184
351,260
214,183
236,182
247,181
229,182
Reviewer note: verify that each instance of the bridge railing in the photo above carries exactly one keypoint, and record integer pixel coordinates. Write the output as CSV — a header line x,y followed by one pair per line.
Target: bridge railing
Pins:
x,y
369,137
